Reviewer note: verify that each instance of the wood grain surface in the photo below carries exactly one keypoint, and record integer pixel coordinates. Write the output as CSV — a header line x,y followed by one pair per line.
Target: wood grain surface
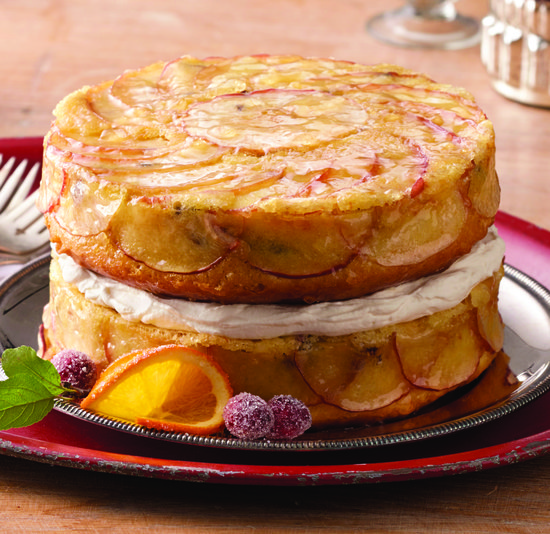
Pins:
x,y
51,47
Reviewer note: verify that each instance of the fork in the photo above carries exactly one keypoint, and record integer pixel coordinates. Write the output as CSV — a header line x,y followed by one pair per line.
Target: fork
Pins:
x,y
12,189
22,229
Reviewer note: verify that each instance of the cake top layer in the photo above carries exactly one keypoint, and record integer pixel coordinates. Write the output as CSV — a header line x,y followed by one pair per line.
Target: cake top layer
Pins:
x,y
272,133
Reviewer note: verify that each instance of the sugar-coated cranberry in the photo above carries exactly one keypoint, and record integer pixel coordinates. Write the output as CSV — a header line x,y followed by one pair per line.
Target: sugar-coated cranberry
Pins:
x,y
75,369
248,416
292,417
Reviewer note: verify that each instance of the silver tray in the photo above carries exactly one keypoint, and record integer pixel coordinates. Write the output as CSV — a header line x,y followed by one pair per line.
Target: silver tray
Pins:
x,y
525,308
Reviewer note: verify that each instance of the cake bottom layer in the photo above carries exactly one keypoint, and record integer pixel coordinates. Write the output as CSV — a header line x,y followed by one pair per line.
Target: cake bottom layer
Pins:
x,y
362,378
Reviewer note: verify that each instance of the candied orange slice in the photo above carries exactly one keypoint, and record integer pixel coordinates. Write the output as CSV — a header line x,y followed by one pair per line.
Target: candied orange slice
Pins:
x,y
170,388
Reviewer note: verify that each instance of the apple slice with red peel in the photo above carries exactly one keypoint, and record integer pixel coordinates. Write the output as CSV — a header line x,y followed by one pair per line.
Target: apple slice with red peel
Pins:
x,y
437,99
440,360
54,180
352,379
194,242
141,162
224,177
274,119
449,121
89,154
296,247
415,110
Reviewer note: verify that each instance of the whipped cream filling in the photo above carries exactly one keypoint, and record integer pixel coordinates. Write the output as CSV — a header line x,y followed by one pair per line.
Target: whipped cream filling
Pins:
x,y
405,302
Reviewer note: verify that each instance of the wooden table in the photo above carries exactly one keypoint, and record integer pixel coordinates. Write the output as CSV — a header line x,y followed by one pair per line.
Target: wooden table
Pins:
x,y
51,47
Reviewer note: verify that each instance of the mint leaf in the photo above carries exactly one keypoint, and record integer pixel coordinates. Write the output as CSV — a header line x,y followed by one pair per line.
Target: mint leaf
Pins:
x,y
28,393
24,361
23,401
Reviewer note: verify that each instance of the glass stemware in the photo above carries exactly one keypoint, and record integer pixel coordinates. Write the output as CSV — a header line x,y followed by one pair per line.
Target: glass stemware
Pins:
x,y
426,24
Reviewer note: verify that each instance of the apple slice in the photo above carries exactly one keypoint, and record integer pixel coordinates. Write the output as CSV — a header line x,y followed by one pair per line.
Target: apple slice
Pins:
x,y
193,242
265,373
86,206
485,299
296,247
186,76
440,360
89,153
352,379
448,121
178,77
147,163
137,88
436,99
53,181
491,326
421,233
274,119
100,100
77,120
414,110
484,190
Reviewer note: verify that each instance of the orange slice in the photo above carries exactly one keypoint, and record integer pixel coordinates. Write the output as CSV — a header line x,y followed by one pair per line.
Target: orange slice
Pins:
x,y
170,388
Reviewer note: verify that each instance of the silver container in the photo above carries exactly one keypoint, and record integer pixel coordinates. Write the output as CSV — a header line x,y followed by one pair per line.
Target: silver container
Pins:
x,y
515,49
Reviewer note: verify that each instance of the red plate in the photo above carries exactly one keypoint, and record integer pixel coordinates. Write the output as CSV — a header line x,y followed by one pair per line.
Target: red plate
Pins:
x,y
64,440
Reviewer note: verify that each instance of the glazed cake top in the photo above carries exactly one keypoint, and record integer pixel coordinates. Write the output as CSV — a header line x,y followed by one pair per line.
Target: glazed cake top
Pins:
x,y
285,134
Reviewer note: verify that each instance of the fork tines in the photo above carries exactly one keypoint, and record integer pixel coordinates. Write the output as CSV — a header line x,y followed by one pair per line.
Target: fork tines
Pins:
x,y
12,190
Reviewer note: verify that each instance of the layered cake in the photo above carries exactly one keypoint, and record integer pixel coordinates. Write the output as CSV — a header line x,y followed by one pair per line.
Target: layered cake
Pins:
x,y
319,228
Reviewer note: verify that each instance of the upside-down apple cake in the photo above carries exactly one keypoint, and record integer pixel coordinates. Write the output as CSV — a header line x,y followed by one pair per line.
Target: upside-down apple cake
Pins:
x,y
319,228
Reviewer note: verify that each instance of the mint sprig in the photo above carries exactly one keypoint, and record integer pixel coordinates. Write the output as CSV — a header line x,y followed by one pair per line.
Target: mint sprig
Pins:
x,y
28,393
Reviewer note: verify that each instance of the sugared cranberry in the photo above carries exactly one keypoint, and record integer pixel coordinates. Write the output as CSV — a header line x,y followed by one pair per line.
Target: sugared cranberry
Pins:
x,y
248,416
292,417
76,369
